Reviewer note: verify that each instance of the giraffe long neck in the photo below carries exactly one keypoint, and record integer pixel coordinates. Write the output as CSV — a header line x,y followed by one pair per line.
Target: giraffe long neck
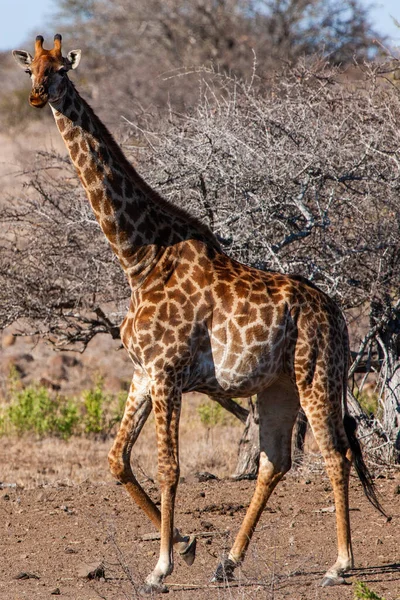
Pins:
x,y
137,222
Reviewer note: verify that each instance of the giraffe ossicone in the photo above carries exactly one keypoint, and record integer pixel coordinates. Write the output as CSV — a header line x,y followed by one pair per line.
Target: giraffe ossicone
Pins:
x,y
199,320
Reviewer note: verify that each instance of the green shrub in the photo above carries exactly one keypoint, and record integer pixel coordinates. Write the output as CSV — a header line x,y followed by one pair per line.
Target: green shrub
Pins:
x,y
93,402
34,410
212,414
101,410
362,592
368,400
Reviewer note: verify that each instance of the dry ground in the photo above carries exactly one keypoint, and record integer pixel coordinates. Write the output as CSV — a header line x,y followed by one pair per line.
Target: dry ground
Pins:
x,y
60,509
66,512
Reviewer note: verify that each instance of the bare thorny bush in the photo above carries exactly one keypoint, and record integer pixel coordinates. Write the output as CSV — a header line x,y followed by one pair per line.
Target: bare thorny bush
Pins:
x,y
300,175
304,179
57,272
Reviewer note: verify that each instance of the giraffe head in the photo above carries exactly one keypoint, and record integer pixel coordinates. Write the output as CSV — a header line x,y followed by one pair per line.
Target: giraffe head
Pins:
x,y
48,70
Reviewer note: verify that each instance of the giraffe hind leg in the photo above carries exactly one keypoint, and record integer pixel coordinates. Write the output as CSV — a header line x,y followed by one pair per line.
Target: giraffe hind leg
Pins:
x,y
331,438
278,407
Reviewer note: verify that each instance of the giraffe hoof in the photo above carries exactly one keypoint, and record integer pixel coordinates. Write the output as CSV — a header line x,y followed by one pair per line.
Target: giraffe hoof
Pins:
x,y
148,589
224,572
189,553
329,581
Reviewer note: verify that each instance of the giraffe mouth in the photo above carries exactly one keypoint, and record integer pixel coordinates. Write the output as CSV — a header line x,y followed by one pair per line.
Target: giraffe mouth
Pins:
x,y
38,100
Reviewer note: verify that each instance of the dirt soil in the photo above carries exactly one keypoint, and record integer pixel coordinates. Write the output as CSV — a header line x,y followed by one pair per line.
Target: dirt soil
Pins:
x,y
55,530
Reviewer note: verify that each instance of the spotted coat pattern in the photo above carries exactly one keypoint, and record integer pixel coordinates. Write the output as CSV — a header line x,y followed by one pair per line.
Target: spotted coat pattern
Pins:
x,y
199,320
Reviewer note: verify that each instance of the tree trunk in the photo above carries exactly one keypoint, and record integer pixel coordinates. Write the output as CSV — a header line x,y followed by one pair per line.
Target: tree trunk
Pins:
x,y
299,436
391,421
249,446
391,373
389,352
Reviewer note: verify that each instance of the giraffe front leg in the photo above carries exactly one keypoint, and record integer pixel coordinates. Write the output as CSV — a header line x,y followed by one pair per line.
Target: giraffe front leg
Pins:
x,y
167,405
137,410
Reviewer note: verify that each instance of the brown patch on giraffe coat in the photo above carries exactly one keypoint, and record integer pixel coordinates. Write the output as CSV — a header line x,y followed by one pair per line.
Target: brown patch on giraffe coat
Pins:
x,y
146,315
61,124
117,203
109,229
107,208
96,197
169,337
128,188
116,183
188,287
74,150
189,253
195,298
145,339
254,333
85,122
148,227
188,311
241,289
70,135
170,353
90,176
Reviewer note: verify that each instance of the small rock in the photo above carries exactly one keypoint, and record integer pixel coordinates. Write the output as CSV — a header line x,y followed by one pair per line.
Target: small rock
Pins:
x,y
50,385
94,570
205,476
25,575
55,592
8,340
207,526
69,511
4,485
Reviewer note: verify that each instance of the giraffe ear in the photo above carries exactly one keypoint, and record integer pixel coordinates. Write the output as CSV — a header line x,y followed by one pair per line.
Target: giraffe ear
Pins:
x,y
74,58
22,58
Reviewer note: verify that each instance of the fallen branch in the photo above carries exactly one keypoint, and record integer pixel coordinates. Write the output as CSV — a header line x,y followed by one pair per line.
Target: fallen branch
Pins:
x,y
151,537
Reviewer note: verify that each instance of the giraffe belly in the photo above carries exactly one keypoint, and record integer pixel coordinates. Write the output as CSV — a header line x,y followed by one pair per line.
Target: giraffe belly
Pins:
x,y
241,375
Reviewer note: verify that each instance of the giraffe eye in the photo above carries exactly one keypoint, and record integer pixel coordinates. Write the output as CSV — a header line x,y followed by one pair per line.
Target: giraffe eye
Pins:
x,y
28,71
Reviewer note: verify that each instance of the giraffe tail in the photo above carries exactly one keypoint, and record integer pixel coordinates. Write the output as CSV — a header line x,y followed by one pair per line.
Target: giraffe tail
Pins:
x,y
350,426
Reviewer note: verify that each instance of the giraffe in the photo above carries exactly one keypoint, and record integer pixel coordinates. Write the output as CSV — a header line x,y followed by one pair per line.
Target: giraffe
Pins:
x,y
199,320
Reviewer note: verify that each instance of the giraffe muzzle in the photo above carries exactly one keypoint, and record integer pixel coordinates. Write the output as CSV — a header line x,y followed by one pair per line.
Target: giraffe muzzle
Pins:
x,y
38,97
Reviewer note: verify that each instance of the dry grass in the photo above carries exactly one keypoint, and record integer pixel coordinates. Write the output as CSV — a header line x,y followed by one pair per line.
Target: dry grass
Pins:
x,y
31,463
